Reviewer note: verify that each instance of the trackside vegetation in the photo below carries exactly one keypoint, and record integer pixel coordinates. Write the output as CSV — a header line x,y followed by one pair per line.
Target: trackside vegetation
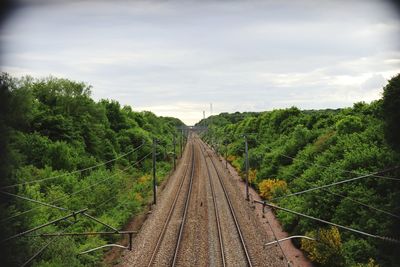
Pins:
x,y
292,150
51,129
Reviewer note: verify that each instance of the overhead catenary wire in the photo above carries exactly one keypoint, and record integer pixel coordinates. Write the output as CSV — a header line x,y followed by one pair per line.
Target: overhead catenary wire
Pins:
x,y
34,201
72,214
326,167
76,192
341,170
384,238
355,201
76,171
37,253
349,198
335,183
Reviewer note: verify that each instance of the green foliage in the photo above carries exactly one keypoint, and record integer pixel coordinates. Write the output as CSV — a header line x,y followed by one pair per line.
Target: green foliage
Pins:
x,y
326,250
316,147
391,111
53,128
271,188
349,124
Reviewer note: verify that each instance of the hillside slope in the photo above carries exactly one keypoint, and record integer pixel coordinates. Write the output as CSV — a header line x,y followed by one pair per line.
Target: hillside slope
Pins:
x,y
60,147
292,150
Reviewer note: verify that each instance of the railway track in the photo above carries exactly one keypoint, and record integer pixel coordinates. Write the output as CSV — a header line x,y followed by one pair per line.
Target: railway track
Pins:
x,y
185,212
216,213
171,212
231,209
202,220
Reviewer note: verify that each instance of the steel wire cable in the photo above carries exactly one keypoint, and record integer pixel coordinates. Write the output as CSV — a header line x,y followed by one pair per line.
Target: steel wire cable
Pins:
x,y
341,170
76,192
332,184
330,223
37,253
352,179
323,166
76,171
34,201
354,200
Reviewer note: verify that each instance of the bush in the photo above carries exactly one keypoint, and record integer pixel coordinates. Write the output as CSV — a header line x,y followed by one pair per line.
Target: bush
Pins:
x,y
349,124
271,188
326,249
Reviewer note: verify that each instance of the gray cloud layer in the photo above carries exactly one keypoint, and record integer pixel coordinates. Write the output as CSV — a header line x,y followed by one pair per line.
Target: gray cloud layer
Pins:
x,y
176,57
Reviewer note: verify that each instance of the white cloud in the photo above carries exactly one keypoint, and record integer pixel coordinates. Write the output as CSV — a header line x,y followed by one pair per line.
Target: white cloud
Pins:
x,y
176,57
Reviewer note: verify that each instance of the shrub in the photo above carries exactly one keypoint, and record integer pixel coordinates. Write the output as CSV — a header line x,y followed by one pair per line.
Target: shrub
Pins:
x,y
327,249
349,124
271,188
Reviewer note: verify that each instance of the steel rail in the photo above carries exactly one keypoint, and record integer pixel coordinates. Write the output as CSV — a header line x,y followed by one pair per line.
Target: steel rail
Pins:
x,y
216,212
168,219
233,215
183,222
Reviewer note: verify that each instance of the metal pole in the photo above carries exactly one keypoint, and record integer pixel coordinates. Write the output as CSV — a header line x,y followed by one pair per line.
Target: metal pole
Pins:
x,y
247,168
154,173
174,141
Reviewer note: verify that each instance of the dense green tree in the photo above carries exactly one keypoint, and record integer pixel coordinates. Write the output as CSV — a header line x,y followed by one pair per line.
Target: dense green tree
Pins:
x,y
51,129
391,111
311,148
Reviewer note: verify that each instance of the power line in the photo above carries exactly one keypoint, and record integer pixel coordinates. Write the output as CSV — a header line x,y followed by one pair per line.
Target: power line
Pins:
x,y
76,192
356,201
72,214
336,183
341,170
362,204
76,171
330,223
45,246
35,201
323,166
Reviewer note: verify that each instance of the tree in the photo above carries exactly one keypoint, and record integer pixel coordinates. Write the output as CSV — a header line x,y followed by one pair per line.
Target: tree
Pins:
x,y
349,124
391,110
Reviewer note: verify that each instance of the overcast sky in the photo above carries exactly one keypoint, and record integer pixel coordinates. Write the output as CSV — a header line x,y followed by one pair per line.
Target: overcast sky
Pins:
x,y
176,57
